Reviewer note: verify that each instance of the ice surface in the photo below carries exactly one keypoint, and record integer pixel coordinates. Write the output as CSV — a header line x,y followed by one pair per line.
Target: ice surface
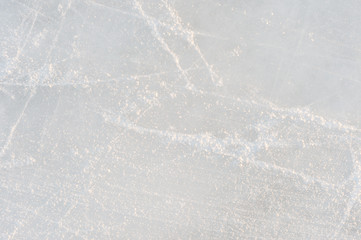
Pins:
x,y
180,119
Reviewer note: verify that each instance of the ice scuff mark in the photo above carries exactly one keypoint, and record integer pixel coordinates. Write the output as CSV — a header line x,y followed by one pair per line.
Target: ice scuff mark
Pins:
x,y
186,33
155,31
20,50
206,142
65,81
14,127
355,180
34,79
36,11
189,36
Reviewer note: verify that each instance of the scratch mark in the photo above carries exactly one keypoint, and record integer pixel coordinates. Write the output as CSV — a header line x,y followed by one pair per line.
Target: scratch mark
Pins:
x,y
13,129
190,39
153,26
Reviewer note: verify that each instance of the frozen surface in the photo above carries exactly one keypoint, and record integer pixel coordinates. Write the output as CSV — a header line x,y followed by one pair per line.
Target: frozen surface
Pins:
x,y
167,119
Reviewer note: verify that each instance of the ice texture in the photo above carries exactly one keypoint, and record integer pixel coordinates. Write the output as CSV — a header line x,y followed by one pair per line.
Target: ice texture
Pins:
x,y
180,119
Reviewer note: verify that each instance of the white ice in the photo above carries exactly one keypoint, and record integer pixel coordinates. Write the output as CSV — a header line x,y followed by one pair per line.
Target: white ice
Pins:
x,y
180,119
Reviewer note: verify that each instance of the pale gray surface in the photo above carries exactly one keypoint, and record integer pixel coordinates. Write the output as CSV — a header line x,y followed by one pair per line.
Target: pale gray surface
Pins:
x,y
166,119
